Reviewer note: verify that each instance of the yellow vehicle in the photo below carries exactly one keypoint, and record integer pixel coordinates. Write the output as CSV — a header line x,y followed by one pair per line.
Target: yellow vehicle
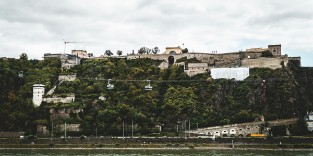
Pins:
x,y
257,135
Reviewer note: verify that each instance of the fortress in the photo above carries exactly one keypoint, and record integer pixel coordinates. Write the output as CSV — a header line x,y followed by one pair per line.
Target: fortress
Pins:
x,y
251,58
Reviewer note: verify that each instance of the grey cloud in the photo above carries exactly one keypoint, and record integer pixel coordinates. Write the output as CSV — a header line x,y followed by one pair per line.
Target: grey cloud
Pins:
x,y
274,18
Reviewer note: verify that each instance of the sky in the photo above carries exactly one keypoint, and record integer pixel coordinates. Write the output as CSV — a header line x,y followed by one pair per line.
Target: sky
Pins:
x,y
36,27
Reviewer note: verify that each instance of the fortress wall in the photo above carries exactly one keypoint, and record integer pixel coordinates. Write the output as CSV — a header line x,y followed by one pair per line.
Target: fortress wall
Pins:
x,y
265,62
253,55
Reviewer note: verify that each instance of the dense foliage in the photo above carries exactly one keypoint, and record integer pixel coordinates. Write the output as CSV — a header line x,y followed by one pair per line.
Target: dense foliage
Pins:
x,y
17,111
175,97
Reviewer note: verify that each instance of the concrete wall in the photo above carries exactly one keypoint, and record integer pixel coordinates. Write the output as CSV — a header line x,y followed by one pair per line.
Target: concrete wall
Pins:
x,y
230,73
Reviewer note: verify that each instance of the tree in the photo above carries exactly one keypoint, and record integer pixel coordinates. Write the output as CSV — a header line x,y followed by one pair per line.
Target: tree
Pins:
x,y
119,52
23,56
266,53
108,53
148,51
155,50
142,50
185,50
300,127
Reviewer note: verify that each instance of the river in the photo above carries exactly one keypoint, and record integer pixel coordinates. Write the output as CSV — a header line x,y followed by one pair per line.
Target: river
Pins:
x,y
158,152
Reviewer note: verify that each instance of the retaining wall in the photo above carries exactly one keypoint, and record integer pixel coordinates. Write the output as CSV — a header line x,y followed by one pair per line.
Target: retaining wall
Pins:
x,y
160,141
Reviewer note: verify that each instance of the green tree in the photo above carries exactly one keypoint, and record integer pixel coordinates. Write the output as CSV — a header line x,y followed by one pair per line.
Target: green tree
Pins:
x,y
155,50
185,50
108,53
119,52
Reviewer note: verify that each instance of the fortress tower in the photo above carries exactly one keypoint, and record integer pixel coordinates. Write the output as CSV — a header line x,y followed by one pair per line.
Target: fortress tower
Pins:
x,y
38,93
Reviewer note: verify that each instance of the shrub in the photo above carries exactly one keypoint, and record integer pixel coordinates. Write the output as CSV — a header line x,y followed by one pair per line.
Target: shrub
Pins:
x,y
168,144
51,144
100,145
192,146
177,144
117,144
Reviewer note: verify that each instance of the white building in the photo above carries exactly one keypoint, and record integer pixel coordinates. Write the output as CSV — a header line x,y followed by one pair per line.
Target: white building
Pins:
x,y
38,93
239,73
309,120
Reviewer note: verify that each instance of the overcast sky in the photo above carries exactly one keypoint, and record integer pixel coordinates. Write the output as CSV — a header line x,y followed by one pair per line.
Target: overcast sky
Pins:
x,y
36,27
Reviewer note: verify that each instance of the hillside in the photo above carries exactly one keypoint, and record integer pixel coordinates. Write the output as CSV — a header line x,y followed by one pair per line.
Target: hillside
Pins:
x,y
175,97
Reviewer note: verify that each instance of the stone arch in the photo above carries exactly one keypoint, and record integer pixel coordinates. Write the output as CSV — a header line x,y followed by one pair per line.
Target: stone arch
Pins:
x,y
209,133
171,61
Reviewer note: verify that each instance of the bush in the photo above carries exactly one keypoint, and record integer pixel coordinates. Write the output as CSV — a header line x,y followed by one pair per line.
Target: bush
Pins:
x,y
192,146
51,144
117,144
100,145
82,137
177,144
168,144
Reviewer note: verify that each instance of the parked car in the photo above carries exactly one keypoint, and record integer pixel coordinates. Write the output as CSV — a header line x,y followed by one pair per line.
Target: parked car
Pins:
x,y
62,137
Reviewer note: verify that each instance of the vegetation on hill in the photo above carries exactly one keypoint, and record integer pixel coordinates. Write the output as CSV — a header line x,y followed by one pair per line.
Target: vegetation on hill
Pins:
x,y
17,111
175,96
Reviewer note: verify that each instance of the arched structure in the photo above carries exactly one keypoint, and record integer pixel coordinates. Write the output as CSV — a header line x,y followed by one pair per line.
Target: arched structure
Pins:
x,y
171,61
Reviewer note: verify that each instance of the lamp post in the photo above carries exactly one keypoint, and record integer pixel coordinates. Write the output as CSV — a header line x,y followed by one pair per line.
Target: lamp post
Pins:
x,y
65,130
189,128
51,130
185,130
294,115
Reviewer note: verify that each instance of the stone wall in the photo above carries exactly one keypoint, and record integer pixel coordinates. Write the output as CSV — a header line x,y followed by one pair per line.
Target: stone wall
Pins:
x,y
242,129
69,127
11,134
63,113
265,62
56,98
67,77
42,131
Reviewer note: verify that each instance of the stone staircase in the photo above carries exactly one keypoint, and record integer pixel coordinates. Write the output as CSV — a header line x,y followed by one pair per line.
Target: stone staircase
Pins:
x,y
51,91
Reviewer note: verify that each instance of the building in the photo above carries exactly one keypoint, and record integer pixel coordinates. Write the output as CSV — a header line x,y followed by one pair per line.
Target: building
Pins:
x,y
275,49
309,120
173,50
67,60
38,93
80,53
